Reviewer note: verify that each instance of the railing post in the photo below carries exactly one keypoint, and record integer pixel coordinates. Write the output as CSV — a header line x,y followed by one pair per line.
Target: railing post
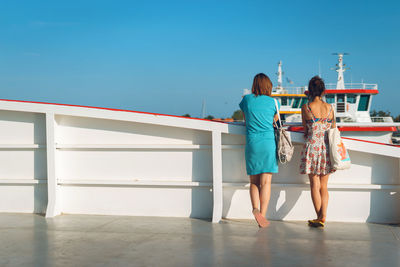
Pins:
x,y
217,176
52,187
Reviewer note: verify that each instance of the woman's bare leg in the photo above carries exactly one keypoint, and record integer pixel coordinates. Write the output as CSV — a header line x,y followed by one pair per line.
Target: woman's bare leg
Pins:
x,y
324,197
265,192
315,187
254,191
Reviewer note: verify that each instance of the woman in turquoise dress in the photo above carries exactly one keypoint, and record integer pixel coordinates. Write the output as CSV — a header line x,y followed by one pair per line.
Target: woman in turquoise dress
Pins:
x,y
261,162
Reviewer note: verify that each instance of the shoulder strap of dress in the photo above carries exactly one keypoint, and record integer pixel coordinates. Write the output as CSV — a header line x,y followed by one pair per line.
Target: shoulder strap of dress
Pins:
x,y
330,110
312,114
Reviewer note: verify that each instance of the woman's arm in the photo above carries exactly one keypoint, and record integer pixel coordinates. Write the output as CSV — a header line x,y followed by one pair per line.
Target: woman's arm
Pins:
x,y
303,119
276,117
333,117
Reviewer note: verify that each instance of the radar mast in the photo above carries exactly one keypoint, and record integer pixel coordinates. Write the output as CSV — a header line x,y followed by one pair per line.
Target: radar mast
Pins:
x,y
279,73
340,69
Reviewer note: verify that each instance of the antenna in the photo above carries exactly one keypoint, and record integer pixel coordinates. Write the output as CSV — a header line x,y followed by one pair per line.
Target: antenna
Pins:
x,y
279,74
203,109
319,68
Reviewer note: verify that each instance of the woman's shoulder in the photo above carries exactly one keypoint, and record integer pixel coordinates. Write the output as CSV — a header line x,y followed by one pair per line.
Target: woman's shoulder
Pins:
x,y
304,108
248,96
327,106
268,98
318,105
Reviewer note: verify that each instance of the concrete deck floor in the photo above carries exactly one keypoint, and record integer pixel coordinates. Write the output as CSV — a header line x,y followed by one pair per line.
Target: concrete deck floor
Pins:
x,y
84,240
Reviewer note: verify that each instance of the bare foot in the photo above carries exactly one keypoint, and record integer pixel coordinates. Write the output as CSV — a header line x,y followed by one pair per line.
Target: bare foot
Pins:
x,y
261,220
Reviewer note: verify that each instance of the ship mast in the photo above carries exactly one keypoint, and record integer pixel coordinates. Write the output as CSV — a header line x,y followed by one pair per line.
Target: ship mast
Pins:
x,y
203,109
340,69
279,73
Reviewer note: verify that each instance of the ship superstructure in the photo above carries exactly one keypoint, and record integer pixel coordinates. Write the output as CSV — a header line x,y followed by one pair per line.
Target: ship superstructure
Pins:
x,y
351,101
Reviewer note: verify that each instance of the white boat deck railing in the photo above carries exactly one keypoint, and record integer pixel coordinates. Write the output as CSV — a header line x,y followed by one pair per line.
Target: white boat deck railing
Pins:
x,y
329,86
366,86
382,119
68,159
289,90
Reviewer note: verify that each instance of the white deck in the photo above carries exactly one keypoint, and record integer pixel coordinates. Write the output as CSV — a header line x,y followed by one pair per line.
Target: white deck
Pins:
x,y
64,159
87,240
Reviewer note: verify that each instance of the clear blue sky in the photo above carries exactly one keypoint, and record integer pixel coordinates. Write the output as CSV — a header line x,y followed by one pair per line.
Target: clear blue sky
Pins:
x,y
167,56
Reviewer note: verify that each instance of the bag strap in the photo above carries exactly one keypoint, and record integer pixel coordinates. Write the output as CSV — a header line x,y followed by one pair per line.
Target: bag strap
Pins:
x,y
279,115
334,117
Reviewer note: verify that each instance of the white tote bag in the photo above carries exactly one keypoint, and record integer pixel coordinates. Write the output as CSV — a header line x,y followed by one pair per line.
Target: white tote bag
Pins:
x,y
284,146
340,159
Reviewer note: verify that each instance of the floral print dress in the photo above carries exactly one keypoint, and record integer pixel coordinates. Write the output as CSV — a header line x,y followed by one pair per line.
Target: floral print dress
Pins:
x,y
315,155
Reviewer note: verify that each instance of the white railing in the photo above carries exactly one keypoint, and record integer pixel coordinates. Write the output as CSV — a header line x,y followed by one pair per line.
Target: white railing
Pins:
x,y
62,159
367,86
381,119
329,86
289,90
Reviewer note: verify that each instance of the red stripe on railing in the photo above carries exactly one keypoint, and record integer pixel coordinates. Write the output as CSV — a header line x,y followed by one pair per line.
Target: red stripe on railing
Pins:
x,y
367,129
294,128
351,91
112,109
372,142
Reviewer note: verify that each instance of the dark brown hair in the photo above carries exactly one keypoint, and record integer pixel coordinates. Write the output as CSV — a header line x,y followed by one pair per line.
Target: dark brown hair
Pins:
x,y
316,87
262,85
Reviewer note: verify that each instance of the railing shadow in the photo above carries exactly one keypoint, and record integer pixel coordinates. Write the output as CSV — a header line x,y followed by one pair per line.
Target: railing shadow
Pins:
x,y
278,209
201,196
291,197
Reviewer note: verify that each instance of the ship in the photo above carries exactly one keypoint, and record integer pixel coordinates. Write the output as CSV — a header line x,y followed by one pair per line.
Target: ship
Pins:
x,y
351,102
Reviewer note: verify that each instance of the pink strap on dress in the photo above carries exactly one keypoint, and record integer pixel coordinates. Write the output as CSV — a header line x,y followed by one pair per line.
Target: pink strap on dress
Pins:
x,y
330,110
312,114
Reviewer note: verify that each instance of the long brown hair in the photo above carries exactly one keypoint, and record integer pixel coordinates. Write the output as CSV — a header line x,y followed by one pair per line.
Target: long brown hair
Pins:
x,y
316,87
262,85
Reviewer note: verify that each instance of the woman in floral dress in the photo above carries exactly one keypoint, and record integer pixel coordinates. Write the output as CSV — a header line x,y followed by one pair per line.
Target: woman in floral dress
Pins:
x,y
318,118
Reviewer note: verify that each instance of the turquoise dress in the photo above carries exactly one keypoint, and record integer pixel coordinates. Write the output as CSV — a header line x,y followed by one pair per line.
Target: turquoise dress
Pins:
x,y
260,152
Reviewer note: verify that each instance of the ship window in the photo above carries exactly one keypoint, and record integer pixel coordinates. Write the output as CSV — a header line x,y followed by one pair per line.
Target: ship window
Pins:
x,y
340,98
296,102
351,98
330,99
284,101
364,102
